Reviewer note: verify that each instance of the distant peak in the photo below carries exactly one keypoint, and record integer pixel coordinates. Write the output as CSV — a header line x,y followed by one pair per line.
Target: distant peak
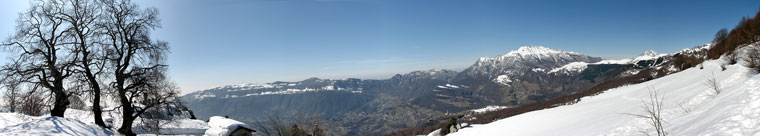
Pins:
x,y
432,71
527,50
649,53
312,79
437,70
397,76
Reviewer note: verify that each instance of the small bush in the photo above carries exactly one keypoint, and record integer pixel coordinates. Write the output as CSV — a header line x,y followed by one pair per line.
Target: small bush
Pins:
x,y
732,57
445,129
32,104
722,67
714,84
295,131
753,58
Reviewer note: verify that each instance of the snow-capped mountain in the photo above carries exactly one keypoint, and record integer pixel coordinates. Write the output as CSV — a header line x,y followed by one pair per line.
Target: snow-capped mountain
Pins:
x,y
525,58
353,100
526,75
443,74
278,88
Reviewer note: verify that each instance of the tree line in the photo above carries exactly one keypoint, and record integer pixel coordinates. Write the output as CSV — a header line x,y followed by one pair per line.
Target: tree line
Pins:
x,y
65,51
746,32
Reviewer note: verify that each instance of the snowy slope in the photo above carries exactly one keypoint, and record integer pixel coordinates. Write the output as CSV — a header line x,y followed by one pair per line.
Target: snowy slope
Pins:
x,y
54,126
735,111
572,67
79,122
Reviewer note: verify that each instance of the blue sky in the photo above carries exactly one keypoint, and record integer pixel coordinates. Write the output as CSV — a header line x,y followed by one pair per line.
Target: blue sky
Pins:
x,y
223,42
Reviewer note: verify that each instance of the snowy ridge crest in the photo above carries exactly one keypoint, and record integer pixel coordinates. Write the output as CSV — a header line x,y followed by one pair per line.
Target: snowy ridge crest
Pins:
x,y
536,58
534,50
529,52
651,53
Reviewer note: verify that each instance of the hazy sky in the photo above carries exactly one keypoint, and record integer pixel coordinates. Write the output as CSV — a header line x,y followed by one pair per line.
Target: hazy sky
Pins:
x,y
222,42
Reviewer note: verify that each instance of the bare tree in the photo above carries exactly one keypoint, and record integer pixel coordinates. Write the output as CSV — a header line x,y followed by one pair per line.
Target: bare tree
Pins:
x,y
721,35
32,102
713,84
275,126
137,63
732,57
77,103
83,16
653,109
12,93
42,51
180,105
161,96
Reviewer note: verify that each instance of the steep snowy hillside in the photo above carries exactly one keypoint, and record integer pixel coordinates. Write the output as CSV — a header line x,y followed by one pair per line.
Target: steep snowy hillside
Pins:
x,y
689,108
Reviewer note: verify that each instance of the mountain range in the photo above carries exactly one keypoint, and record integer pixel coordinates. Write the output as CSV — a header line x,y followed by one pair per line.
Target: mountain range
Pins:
x,y
373,107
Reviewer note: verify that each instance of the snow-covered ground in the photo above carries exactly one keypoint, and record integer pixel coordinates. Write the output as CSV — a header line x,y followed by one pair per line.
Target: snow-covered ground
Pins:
x,y
15,124
49,126
503,80
574,67
690,108
79,122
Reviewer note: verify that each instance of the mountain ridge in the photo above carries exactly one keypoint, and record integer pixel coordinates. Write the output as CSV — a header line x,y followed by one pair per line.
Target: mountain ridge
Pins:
x,y
518,77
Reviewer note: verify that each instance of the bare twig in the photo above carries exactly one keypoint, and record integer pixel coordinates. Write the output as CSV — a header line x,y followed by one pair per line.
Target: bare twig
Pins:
x,y
653,109
713,84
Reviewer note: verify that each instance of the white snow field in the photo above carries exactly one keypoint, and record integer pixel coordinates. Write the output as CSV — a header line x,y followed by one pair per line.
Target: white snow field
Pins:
x,y
54,126
80,123
15,124
734,111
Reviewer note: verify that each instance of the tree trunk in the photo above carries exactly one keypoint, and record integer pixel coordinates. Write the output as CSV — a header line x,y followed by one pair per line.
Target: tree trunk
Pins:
x,y
127,111
61,97
61,103
96,92
126,126
98,113
192,115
